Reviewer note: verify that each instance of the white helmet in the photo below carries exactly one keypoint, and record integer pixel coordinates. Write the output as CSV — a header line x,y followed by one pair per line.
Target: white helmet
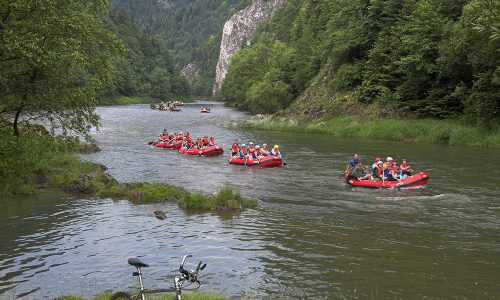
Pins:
x,y
389,158
257,147
251,143
243,145
264,145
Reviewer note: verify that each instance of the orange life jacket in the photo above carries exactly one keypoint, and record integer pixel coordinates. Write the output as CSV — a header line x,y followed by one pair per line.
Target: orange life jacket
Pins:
x,y
200,143
251,148
235,148
244,149
212,141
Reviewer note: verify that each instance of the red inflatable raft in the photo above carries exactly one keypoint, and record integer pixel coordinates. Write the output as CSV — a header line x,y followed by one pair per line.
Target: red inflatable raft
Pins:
x,y
206,151
409,182
204,110
264,162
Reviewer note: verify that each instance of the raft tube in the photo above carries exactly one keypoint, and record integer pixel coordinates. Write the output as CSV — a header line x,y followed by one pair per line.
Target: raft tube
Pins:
x,y
205,151
204,110
409,182
264,162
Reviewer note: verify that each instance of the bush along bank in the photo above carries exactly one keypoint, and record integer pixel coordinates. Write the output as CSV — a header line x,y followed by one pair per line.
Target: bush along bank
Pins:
x,y
36,160
185,295
451,132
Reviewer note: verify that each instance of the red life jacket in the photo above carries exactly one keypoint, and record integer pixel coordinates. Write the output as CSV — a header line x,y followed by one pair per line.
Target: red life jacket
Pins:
x,y
212,141
244,149
257,152
251,148
200,143
235,148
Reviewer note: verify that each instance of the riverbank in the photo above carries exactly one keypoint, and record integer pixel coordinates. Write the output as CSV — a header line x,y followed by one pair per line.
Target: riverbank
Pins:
x,y
450,132
37,160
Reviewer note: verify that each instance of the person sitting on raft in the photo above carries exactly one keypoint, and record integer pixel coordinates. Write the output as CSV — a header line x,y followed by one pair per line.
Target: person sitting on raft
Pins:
x,y
276,151
377,170
405,169
263,151
211,142
251,149
243,151
184,143
205,141
358,171
199,143
256,152
235,149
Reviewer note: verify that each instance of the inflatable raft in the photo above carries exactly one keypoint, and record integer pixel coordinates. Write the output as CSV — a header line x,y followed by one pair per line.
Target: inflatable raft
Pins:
x,y
204,110
206,151
409,182
264,162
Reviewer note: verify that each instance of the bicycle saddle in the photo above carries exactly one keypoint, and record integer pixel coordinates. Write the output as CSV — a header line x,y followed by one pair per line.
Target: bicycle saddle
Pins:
x,y
137,263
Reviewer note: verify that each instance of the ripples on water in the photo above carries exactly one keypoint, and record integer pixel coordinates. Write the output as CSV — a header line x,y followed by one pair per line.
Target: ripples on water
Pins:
x,y
313,237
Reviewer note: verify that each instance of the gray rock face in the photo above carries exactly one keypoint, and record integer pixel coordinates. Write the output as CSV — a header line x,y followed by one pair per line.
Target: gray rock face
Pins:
x,y
239,30
190,71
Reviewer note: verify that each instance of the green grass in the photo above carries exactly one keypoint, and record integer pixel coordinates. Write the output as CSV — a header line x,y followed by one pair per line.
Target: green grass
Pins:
x,y
451,132
123,100
227,199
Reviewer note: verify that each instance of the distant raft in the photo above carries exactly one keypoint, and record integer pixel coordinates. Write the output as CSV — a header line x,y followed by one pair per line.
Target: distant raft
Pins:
x,y
205,110
416,180
264,162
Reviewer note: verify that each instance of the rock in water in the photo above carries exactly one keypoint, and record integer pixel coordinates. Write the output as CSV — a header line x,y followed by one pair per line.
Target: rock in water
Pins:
x,y
160,215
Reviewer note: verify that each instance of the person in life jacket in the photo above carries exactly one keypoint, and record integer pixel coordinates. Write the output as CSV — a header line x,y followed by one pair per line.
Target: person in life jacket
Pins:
x,y
180,136
199,143
387,171
256,153
184,143
377,170
276,151
235,149
190,144
188,135
375,163
263,151
205,141
251,149
212,141
170,137
405,169
243,151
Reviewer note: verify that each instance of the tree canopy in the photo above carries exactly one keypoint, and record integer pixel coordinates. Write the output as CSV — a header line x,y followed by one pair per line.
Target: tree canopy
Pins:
x,y
54,57
431,57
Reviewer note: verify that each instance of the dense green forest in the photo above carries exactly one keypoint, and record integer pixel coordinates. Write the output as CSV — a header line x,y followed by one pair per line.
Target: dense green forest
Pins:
x,y
192,29
147,67
431,58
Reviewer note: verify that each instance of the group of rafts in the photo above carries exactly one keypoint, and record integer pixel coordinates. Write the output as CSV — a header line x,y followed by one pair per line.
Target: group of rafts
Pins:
x,y
240,155
382,175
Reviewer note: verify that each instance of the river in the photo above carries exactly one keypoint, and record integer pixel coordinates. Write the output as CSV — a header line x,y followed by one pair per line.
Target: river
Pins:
x,y
311,237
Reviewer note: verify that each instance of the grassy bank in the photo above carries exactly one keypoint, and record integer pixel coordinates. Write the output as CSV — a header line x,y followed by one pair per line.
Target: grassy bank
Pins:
x,y
451,132
36,160
185,295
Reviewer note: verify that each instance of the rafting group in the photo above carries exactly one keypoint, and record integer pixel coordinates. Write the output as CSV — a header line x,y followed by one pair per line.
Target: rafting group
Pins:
x,y
255,155
169,106
185,144
383,174
205,109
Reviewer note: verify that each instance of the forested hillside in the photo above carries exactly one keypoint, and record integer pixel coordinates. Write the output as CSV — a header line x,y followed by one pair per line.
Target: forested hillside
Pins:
x,y
192,30
147,67
429,58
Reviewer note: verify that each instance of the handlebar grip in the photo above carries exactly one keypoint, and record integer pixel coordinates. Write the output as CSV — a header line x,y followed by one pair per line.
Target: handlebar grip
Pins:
x,y
198,267
184,272
203,267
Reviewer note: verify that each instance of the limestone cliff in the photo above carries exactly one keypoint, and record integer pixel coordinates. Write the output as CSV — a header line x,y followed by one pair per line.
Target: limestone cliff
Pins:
x,y
239,29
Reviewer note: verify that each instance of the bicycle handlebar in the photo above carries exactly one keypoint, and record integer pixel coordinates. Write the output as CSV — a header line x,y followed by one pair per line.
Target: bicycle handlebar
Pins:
x,y
193,275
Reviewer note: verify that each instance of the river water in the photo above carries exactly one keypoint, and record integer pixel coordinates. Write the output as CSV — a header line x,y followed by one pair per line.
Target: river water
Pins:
x,y
311,237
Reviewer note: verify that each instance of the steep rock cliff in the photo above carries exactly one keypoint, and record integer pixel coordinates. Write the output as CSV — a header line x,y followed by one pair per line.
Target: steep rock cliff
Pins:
x,y
239,29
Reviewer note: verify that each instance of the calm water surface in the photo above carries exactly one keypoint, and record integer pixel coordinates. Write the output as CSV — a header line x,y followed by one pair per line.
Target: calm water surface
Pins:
x,y
312,237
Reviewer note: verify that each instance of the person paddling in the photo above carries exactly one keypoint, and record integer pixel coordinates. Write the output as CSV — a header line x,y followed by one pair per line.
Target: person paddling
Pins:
x,y
235,149
276,151
256,153
405,169
352,163
211,142
263,151
243,152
